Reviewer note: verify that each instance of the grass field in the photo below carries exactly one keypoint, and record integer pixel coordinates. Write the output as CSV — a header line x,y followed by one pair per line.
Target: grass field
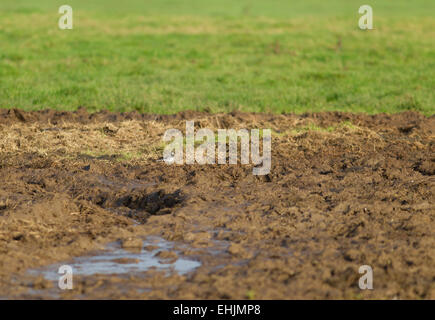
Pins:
x,y
166,56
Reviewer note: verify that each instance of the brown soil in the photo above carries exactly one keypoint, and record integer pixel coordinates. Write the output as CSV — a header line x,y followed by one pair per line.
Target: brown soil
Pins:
x,y
345,190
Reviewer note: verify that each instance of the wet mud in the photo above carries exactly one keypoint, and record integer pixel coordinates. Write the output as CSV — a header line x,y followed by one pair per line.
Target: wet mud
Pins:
x,y
91,191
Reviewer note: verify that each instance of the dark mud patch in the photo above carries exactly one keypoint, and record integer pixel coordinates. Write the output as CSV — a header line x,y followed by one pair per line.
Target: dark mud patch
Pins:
x,y
155,203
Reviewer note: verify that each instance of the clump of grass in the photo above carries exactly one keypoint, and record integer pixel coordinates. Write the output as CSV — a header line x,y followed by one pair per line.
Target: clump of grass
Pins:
x,y
250,295
315,128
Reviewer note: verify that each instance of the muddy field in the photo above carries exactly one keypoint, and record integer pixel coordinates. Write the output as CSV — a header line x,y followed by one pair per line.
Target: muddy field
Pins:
x,y
344,191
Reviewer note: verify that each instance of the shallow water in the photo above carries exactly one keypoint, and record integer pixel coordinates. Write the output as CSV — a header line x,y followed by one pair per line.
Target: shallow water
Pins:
x,y
108,262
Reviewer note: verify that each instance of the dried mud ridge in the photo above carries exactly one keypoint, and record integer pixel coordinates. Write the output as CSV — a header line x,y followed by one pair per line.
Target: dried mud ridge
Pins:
x,y
345,190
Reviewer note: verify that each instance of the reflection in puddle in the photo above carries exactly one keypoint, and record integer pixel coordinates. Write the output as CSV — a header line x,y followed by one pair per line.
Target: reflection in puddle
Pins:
x,y
119,261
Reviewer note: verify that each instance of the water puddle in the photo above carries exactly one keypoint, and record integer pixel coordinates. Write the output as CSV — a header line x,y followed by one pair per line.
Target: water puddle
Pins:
x,y
116,260
155,254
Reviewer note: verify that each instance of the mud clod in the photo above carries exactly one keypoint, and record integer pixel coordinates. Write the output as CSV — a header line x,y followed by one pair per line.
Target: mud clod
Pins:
x,y
132,243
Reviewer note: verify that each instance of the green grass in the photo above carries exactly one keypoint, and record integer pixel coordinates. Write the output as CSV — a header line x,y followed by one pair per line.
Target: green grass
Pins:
x,y
218,55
